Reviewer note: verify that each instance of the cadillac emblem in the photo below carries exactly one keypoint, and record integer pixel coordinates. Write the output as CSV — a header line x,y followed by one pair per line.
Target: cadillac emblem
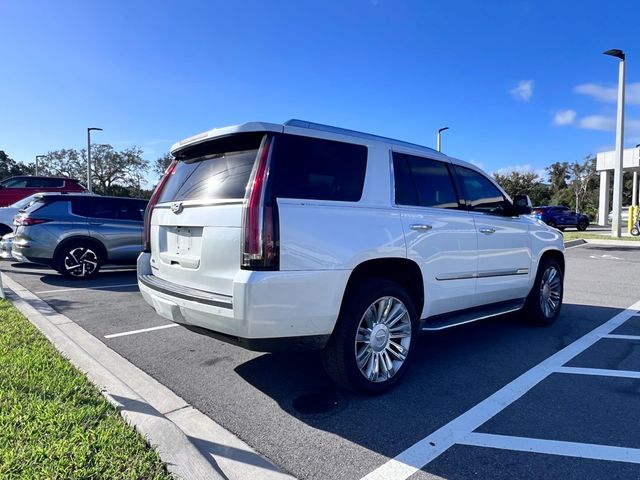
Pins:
x,y
176,207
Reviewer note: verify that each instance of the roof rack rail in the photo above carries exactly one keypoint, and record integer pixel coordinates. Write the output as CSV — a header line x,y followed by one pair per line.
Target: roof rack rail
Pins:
x,y
294,122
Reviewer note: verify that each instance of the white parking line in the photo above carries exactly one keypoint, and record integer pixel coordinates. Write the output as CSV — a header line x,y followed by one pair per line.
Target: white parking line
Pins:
x,y
87,288
599,372
622,337
554,447
142,330
455,432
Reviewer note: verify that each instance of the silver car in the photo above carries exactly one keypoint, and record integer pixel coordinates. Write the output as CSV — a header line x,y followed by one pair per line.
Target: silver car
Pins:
x,y
77,234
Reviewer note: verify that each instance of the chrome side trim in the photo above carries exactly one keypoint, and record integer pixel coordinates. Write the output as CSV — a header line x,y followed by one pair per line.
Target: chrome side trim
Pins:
x,y
457,276
485,274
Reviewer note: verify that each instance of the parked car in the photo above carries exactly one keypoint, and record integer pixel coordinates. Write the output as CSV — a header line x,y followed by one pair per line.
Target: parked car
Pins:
x,y
561,217
77,234
5,246
16,188
624,215
7,214
309,236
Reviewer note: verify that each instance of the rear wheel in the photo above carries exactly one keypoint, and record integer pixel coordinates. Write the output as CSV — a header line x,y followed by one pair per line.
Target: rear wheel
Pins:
x,y
4,229
545,299
371,346
79,260
635,231
551,223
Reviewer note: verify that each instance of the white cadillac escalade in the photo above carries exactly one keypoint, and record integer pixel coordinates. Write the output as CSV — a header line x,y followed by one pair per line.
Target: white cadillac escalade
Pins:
x,y
303,235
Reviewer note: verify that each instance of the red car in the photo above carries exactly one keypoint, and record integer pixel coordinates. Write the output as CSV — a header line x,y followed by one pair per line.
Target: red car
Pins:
x,y
16,188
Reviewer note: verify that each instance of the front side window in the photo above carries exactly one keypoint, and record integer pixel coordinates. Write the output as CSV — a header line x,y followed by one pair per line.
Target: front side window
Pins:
x,y
317,169
423,181
19,182
482,194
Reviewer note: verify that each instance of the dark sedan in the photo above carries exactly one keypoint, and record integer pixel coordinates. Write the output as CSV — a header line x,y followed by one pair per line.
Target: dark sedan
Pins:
x,y
561,217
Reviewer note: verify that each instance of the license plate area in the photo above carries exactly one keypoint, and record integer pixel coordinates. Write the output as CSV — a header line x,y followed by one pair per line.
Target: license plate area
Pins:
x,y
180,246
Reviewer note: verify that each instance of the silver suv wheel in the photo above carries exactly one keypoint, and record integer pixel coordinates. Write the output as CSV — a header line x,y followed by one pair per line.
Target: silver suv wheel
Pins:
x,y
383,339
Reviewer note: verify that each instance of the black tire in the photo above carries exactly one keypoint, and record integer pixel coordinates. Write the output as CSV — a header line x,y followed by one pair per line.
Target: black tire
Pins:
x,y
542,307
582,225
339,355
635,231
4,229
79,260
551,223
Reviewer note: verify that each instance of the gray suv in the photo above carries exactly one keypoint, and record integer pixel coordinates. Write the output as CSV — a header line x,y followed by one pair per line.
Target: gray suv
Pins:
x,y
77,234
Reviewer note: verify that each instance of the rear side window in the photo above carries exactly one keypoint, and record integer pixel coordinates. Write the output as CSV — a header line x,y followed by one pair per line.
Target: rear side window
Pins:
x,y
482,194
45,183
423,181
218,169
317,169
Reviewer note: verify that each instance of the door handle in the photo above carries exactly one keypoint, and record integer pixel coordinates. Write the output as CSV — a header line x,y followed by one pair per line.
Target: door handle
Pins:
x,y
421,227
487,231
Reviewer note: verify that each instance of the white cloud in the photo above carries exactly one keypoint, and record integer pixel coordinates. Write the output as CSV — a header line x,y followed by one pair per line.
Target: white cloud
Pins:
x,y
608,124
610,94
524,90
564,117
598,122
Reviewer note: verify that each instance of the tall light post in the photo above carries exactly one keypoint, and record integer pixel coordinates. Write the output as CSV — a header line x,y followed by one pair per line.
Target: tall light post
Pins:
x,y
37,157
617,171
89,157
439,139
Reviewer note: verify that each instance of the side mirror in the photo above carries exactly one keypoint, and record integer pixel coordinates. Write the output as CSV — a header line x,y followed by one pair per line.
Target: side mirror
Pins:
x,y
522,205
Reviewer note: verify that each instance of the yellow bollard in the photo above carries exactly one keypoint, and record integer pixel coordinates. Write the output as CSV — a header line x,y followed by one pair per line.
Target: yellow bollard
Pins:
x,y
634,210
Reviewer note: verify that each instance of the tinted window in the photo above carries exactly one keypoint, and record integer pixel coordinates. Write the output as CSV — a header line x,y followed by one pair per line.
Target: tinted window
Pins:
x,y
45,182
19,182
482,194
214,170
432,182
318,169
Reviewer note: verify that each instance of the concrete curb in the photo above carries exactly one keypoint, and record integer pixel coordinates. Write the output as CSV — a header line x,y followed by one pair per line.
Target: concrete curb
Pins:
x,y
574,243
191,444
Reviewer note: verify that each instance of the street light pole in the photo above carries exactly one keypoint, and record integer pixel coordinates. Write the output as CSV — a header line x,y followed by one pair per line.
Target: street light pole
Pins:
x,y
439,139
37,157
617,171
89,187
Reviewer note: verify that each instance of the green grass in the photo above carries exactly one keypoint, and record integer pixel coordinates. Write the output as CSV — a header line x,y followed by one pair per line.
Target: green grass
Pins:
x,y
54,424
576,235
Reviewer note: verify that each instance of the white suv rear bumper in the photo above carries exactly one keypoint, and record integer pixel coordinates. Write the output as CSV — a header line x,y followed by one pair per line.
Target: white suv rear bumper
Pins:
x,y
283,305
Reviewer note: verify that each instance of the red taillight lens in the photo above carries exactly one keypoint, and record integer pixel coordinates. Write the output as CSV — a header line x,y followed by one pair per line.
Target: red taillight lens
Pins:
x,y
28,221
260,217
152,203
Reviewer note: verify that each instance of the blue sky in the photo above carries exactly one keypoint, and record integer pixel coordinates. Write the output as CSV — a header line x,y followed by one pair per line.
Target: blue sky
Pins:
x,y
521,84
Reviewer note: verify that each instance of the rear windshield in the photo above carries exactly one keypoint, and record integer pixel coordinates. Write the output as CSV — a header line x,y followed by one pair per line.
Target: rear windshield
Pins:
x,y
219,169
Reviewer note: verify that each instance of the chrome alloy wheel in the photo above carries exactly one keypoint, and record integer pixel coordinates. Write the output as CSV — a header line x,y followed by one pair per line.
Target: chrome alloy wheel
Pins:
x,y
383,339
550,291
80,262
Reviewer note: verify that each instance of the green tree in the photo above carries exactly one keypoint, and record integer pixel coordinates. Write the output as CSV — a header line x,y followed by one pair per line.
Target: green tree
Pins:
x,y
9,167
582,179
161,164
110,167
524,183
65,162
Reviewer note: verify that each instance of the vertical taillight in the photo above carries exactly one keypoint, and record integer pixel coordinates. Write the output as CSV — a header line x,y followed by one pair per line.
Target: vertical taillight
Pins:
x,y
152,203
260,249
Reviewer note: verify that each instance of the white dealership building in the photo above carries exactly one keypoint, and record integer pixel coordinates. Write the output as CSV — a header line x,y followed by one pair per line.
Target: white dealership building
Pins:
x,y
605,163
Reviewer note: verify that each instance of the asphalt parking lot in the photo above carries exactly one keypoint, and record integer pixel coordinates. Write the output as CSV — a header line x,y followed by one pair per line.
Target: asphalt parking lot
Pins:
x,y
497,399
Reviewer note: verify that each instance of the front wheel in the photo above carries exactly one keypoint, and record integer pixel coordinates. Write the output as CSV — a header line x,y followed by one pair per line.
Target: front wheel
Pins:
x,y
545,299
79,260
582,225
635,231
371,345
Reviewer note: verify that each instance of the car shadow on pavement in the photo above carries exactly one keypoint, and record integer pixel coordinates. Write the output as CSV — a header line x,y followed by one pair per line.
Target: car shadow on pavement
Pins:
x,y
452,371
